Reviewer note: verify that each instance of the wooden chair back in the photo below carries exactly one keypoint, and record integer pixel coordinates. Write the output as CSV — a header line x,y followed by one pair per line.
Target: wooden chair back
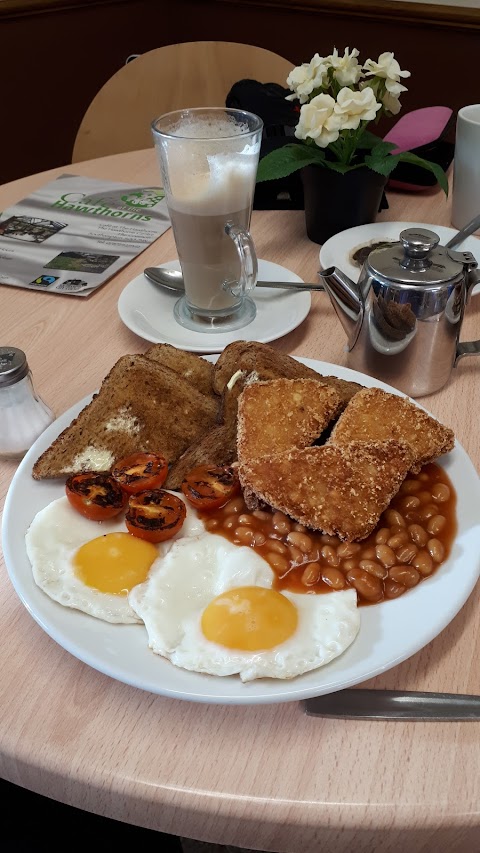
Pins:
x,y
192,74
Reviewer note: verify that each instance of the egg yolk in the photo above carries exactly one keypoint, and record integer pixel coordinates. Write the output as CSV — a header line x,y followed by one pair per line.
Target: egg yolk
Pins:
x,y
114,563
249,618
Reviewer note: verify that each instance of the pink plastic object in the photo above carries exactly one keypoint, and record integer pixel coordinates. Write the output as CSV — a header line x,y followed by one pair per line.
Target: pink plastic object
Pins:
x,y
419,127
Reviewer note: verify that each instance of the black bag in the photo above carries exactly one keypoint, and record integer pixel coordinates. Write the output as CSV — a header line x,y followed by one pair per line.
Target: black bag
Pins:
x,y
279,116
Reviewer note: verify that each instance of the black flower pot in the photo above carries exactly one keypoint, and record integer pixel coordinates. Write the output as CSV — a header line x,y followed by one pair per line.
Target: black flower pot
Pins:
x,y
334,202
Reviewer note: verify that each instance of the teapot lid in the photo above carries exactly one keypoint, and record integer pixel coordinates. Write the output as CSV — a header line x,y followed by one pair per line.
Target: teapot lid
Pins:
x,y
417,259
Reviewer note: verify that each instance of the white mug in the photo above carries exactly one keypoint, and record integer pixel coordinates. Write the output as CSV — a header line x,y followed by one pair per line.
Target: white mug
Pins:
x,y
466,166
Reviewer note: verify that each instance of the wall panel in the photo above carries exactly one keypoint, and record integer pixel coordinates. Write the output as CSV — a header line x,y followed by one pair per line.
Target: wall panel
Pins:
x,y
56,54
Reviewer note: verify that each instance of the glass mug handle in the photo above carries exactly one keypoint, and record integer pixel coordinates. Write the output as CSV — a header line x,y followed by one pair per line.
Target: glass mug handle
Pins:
x,y
248,261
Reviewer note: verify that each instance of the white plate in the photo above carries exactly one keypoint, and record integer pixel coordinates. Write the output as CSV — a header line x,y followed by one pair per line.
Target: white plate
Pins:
x,y
148,311
390,632
336,251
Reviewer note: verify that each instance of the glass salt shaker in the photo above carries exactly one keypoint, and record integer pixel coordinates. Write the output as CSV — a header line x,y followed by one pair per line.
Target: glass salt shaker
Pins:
x,y
23,414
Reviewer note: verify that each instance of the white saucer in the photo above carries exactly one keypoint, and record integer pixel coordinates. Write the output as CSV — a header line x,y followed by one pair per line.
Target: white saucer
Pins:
x,y
336,251
148,311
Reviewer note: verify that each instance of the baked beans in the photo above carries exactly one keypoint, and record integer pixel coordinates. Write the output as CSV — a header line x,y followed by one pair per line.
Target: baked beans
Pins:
x,y
412,538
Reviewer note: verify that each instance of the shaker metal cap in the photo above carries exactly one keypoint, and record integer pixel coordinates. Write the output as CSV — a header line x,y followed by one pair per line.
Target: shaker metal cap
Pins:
x,y
416,259
13,366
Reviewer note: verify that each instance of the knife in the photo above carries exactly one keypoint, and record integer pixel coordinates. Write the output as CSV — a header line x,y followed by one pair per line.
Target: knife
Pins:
x,y
362,704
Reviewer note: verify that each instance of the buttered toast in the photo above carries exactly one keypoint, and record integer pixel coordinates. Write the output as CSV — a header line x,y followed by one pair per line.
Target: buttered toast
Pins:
x,y
191,367
141,406
262,362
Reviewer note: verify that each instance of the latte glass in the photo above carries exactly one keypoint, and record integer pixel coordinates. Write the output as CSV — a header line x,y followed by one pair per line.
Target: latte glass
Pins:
x,y
208,161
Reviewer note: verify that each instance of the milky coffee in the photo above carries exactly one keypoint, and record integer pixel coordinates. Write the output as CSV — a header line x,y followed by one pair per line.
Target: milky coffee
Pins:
x,y
210,184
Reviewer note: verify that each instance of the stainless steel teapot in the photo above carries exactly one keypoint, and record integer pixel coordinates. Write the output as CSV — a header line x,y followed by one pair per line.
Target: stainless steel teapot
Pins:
x,y
404,316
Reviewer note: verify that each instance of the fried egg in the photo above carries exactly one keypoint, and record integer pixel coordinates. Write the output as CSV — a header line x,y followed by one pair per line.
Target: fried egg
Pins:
x,y
91,566
208,606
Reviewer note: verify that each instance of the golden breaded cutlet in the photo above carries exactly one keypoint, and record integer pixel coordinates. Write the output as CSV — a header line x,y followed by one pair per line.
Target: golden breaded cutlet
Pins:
x,y
340,490
191,367
141,406
280,414
376,415
262,362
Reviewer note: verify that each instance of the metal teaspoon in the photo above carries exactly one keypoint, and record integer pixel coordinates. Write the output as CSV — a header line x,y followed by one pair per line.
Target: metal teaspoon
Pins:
x,y
173,280
464,232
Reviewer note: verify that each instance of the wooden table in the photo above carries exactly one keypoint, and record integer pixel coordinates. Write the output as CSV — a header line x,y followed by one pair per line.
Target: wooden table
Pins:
x,y
265,777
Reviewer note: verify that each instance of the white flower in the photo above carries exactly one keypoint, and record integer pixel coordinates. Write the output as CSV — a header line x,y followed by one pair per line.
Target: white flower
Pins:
x,y
353,107
306,77
387,67
391,103
347,71
318,121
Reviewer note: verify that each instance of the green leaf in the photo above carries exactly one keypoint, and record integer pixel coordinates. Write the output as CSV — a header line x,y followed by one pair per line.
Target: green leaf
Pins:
x,y
382,149
408,157
380,161
368,140
342,168
287,159
383,164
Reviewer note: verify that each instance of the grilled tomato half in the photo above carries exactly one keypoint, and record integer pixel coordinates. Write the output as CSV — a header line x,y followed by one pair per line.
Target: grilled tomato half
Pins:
x,y
96,496
155,515
140,472
209,487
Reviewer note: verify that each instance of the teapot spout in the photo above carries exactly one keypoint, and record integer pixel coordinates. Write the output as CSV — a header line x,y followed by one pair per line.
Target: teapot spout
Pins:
x,y
347,300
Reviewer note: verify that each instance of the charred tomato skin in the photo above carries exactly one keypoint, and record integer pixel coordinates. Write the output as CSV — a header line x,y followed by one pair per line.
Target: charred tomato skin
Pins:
x,y
96,496
141,471
208,487
155,515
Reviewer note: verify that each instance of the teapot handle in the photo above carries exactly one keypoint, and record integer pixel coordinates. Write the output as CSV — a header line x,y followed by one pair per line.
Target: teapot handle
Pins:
x,y
466,348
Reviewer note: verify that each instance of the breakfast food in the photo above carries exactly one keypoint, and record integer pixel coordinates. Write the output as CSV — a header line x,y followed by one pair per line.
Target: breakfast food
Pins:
x,y
97,496
283,413
242,364
217,574
261,362
209,606
412,538
194,369
87,566
140,471
339,490
376,415
210,486
141,406
155,515
217,447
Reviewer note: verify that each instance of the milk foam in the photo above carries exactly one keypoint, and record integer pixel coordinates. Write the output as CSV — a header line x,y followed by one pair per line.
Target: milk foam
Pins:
x,y
210,166
208,128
